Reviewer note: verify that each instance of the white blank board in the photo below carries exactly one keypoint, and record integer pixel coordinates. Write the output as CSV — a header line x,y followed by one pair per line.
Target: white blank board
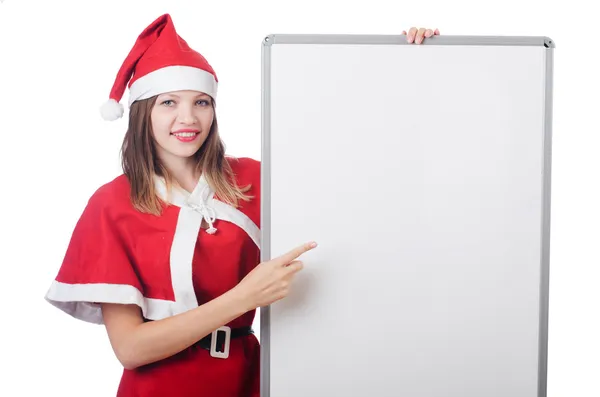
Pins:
x,y
423,172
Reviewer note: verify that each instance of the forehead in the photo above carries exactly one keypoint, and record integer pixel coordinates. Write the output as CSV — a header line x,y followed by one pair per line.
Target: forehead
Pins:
x,y
185,94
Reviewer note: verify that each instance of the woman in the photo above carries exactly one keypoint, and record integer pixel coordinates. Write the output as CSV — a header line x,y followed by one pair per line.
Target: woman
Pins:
x,y
167,255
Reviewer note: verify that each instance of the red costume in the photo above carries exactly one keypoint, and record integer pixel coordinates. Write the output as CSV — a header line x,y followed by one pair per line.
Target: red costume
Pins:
x,y
167,264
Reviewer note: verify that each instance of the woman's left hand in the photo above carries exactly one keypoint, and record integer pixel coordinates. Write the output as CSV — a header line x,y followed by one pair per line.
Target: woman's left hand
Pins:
x,y
418,35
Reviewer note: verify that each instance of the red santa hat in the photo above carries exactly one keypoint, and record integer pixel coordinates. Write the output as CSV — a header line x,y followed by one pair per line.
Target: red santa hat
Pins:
x,y
160,61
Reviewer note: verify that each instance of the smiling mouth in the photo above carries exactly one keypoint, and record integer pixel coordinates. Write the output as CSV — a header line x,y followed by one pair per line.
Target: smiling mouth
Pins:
x,y
184,134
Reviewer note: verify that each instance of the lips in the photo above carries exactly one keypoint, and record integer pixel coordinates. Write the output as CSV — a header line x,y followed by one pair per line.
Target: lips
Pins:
x,y
185,133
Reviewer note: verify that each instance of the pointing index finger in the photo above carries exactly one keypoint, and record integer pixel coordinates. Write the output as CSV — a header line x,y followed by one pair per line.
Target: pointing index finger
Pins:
x,y
296,252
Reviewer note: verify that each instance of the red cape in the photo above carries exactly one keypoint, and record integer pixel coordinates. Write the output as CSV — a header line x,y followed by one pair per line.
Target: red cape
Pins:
x,y
165,264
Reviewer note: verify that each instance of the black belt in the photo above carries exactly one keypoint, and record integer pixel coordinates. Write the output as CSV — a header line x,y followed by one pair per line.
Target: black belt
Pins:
x,y
223,337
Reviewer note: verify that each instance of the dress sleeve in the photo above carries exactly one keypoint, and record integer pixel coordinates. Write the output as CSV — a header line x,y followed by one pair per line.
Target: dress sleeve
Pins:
x,y
96,266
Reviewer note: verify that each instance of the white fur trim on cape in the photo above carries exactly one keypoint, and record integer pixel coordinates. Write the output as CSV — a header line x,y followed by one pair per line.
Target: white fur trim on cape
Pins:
x,y
82,301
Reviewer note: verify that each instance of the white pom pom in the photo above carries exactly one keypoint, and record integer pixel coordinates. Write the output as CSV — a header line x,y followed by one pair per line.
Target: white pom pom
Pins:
x,y
111,110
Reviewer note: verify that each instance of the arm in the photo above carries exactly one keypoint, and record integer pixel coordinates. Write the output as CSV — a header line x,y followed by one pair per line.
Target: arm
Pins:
x,y
136,343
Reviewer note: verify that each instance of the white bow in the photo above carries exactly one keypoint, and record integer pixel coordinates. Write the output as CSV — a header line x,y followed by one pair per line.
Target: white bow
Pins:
x,y
207,212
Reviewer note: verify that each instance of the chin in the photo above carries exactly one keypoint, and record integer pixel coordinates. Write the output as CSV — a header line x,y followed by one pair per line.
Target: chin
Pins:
x,y
186,153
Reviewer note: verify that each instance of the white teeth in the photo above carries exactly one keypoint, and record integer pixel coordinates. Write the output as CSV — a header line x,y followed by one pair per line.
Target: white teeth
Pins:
x,y
185,134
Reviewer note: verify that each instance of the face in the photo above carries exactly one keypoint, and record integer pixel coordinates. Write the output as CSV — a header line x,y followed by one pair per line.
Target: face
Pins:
x,y
181,121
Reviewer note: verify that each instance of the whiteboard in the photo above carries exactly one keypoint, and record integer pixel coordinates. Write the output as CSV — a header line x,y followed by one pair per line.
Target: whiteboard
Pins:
x,y
423,172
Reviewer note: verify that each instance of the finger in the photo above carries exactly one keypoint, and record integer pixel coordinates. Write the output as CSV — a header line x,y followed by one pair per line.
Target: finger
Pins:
x,y
437,31
285,259
428,33
295,263
404,32
411,34
419,38
294,267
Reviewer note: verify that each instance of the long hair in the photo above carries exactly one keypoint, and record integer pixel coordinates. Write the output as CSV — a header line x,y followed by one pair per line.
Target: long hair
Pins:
x,y
141,163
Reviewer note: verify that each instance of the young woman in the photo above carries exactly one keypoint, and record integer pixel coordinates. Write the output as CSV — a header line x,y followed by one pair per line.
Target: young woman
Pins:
x,y
167,255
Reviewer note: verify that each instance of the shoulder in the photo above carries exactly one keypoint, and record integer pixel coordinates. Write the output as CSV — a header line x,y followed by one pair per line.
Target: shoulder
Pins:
x,y
113,190
245,169
247,173
243,163
111,196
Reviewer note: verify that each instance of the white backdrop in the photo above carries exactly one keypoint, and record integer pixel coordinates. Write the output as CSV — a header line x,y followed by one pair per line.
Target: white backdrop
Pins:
x,y
58,60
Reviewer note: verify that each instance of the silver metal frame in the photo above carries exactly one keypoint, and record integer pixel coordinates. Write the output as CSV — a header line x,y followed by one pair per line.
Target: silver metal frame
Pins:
x,y
272,39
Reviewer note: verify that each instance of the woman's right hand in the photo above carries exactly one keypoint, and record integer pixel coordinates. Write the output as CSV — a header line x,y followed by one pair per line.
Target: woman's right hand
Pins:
x,y
270,281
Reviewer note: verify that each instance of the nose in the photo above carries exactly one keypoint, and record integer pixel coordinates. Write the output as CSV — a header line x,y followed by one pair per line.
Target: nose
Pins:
x,y
186,115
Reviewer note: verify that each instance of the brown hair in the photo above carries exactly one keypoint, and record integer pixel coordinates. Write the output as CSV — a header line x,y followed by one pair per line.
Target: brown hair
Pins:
x,y
141,163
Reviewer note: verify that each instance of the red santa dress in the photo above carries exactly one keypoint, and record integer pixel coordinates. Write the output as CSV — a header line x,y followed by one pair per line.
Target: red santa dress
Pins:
x,y
168,265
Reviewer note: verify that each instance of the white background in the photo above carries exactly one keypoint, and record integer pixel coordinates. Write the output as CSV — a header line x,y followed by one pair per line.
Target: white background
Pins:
x,y
58,61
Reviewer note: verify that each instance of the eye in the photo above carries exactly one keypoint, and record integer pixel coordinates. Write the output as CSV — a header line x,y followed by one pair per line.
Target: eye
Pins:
x,y
167,102
203,101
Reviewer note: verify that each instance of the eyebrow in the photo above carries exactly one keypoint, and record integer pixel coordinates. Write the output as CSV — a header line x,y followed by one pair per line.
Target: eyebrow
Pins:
x,y
197,96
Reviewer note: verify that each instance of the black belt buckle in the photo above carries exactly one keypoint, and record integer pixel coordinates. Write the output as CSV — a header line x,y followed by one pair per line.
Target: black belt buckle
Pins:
x,y
213,342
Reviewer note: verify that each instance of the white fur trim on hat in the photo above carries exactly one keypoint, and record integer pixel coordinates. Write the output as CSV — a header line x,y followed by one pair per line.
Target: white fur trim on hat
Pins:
x,y
173,78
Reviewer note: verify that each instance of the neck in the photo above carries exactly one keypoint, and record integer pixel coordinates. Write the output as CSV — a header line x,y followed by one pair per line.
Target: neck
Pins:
x,y
183,170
